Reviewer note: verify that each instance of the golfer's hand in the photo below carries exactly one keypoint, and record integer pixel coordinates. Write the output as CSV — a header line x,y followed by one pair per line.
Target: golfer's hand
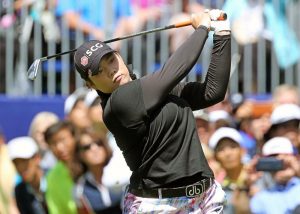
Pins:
x,y
220,27
199,19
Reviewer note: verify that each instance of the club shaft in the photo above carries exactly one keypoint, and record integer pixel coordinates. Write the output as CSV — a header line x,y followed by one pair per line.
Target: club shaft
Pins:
x,y
58,54
223,16
141,33
182,24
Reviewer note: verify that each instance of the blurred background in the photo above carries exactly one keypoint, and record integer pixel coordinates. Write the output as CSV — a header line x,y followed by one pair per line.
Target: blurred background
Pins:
x,y
265,46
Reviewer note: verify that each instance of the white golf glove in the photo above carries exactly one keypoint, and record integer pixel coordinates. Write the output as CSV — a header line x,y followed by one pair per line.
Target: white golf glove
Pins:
x,y
217,26
214,13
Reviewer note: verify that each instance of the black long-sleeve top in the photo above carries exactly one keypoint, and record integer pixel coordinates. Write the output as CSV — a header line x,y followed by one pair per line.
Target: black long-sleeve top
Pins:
x,y
152,121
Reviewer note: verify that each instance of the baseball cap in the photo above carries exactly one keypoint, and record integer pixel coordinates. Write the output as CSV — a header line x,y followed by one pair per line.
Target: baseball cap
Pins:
x,y
284,113
87,57
91,97
71,100
277,145
70,103
219,115
22,147
224,132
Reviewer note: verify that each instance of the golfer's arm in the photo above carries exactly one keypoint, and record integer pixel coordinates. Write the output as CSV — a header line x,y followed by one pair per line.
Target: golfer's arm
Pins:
x,y
159,84
213,89
218,74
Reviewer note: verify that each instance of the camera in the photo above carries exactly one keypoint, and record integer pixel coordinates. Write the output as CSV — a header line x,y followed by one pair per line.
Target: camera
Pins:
x,y
269,164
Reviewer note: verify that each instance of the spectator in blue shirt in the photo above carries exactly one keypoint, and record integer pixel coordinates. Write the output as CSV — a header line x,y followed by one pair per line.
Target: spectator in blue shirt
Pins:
x,y
283,195
97,19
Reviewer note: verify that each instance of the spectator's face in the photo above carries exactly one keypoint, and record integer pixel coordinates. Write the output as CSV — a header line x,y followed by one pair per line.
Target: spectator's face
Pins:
x,y
92,153
229,154
62,145
259,126
79,115
288,96
112,73
289,130
27,168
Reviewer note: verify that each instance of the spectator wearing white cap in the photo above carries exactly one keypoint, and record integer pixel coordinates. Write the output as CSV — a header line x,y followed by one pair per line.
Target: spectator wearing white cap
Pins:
x,y
220,118
285,120
76,110
30,193
226,143
283,195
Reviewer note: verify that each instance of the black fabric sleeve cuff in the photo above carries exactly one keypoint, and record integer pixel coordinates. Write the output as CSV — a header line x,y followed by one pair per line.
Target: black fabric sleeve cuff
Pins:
x,y
203,27
222,37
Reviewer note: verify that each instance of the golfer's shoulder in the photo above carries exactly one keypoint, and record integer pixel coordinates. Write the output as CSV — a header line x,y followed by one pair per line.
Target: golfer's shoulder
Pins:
x,y
126,91
126,97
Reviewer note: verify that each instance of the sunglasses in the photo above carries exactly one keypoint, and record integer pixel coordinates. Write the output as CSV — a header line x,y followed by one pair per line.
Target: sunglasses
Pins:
x,y
89,146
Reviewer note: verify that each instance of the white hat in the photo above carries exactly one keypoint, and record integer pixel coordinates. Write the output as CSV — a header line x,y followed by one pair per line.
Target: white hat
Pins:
x,y
284,113
200,114
224,132
69,104
277,145
90,97
219,115
22,147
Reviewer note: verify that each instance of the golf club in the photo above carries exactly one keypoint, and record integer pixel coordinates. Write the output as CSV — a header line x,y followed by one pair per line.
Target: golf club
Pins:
x,y
33,69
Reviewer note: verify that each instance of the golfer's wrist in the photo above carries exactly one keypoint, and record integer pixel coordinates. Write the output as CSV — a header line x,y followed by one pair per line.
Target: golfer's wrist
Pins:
x,y
223,32
204,27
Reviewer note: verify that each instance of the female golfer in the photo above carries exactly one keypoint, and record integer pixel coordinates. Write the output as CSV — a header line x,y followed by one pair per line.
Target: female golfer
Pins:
x,y
152,121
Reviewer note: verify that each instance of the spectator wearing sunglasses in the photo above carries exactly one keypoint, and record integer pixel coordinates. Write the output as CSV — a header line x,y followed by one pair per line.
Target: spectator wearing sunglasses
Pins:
x,y
90,194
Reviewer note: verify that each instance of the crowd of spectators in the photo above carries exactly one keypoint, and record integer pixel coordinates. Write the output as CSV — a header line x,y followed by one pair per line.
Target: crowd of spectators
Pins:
x,y
88,173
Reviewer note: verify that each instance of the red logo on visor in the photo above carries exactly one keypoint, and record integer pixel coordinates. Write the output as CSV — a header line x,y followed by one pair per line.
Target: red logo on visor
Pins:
x,y
84,60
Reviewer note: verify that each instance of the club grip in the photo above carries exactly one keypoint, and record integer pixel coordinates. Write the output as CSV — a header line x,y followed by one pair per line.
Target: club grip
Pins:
x,y
222,17
183,24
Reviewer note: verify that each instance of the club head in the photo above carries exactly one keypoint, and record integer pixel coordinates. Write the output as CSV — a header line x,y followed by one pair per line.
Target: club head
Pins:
x,y
33,69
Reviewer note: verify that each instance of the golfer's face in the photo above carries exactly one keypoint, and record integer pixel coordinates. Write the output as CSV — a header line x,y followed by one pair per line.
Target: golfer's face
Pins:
x,y
112,73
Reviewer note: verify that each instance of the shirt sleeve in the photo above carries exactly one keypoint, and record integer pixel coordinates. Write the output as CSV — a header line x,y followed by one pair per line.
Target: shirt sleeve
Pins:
x,y
213,89
156,86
